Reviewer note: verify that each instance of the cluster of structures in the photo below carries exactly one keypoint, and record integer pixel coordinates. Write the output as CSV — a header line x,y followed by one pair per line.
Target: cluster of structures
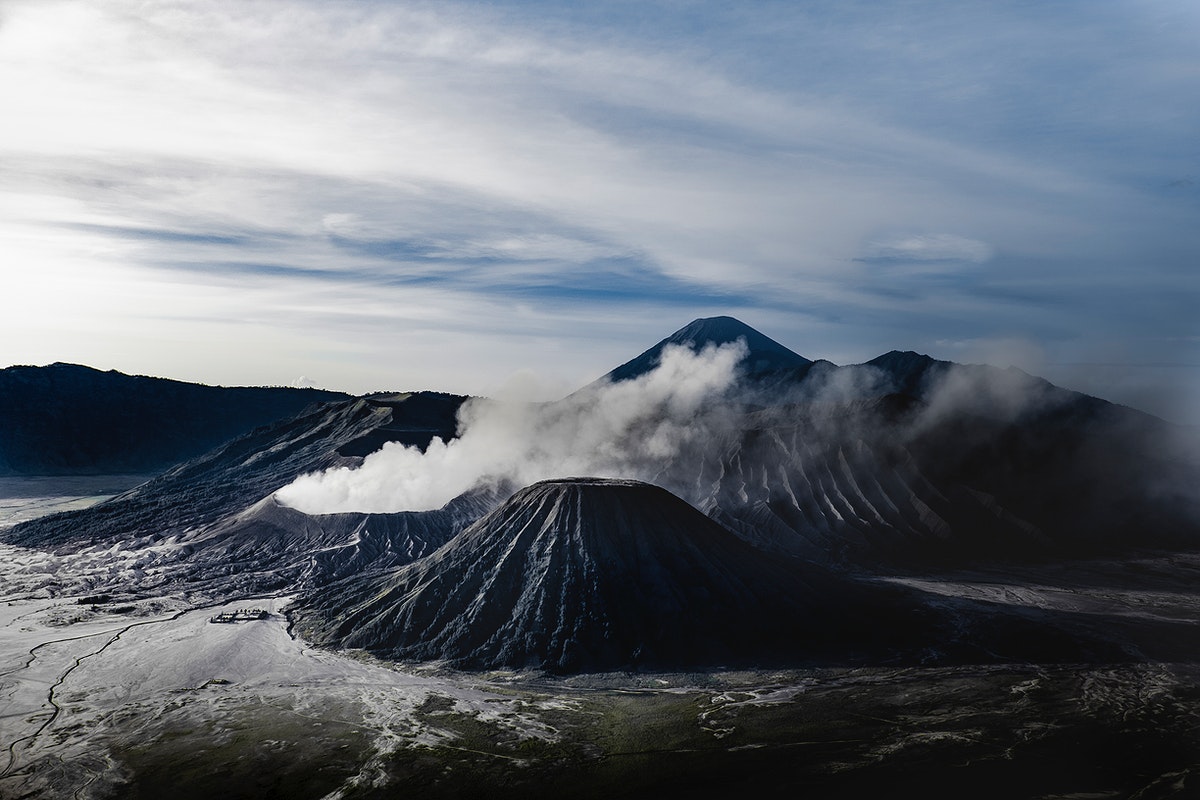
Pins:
x,y
241,615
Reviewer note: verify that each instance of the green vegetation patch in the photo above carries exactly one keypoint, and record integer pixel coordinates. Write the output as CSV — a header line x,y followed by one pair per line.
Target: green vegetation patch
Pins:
x,y
985,733
262,752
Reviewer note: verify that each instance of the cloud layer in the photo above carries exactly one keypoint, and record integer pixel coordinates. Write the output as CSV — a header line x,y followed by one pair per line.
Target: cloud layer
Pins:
x,y
408,195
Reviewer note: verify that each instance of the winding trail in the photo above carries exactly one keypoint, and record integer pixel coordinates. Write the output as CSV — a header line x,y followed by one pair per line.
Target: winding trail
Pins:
x,y
10,768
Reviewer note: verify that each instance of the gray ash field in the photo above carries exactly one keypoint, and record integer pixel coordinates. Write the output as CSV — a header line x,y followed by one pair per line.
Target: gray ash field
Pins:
x,y
906,577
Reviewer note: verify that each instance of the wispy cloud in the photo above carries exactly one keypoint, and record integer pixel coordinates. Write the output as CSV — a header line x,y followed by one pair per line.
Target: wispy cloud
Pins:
x,y
393,177
937,248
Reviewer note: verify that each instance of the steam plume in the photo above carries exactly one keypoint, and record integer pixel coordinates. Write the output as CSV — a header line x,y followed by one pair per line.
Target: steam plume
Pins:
x,y
630,429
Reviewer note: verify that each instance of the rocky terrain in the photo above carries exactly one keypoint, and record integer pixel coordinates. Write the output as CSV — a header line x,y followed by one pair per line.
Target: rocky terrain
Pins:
x,y
593,575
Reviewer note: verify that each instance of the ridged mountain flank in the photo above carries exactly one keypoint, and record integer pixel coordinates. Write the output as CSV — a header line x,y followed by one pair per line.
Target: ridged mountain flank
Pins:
x,y
585,575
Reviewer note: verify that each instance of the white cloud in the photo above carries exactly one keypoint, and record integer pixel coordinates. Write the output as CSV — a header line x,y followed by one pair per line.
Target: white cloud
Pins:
x,y
929,247
401,98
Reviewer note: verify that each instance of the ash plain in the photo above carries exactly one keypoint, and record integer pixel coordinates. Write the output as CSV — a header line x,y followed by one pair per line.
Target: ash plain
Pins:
x,y
149,699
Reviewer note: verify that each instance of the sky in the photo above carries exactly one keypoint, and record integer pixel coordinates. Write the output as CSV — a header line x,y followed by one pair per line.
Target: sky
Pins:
x,y
498,197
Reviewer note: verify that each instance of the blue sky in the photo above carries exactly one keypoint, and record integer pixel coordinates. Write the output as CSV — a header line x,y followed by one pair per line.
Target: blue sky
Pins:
x,y
472,196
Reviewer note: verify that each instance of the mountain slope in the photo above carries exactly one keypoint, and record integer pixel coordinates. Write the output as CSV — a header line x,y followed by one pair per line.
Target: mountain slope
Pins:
x,y
271,547
201,493
588,574
65,419
977,463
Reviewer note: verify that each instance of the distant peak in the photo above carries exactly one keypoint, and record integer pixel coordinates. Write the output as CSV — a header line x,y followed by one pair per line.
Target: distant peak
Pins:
x,y
901,357
715,326
721,330
764,355
909,370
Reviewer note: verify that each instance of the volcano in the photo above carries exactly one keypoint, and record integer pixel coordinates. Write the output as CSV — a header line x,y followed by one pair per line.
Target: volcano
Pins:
x,y
587,574
765,356
902,463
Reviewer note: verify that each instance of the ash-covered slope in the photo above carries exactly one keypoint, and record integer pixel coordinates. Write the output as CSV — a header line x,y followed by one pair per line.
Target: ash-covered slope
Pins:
x,y
65,419
588,574
206,491
930,463
270,547
212,528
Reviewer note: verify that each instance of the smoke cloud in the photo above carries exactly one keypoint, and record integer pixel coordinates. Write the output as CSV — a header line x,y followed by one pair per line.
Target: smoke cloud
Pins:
x,y
632,429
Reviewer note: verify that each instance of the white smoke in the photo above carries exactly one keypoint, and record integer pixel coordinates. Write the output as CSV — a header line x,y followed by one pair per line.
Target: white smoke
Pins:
x,y
632,429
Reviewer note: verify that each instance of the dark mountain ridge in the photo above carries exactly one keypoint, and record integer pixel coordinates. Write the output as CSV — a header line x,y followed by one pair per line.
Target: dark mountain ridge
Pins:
x,y
65,419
